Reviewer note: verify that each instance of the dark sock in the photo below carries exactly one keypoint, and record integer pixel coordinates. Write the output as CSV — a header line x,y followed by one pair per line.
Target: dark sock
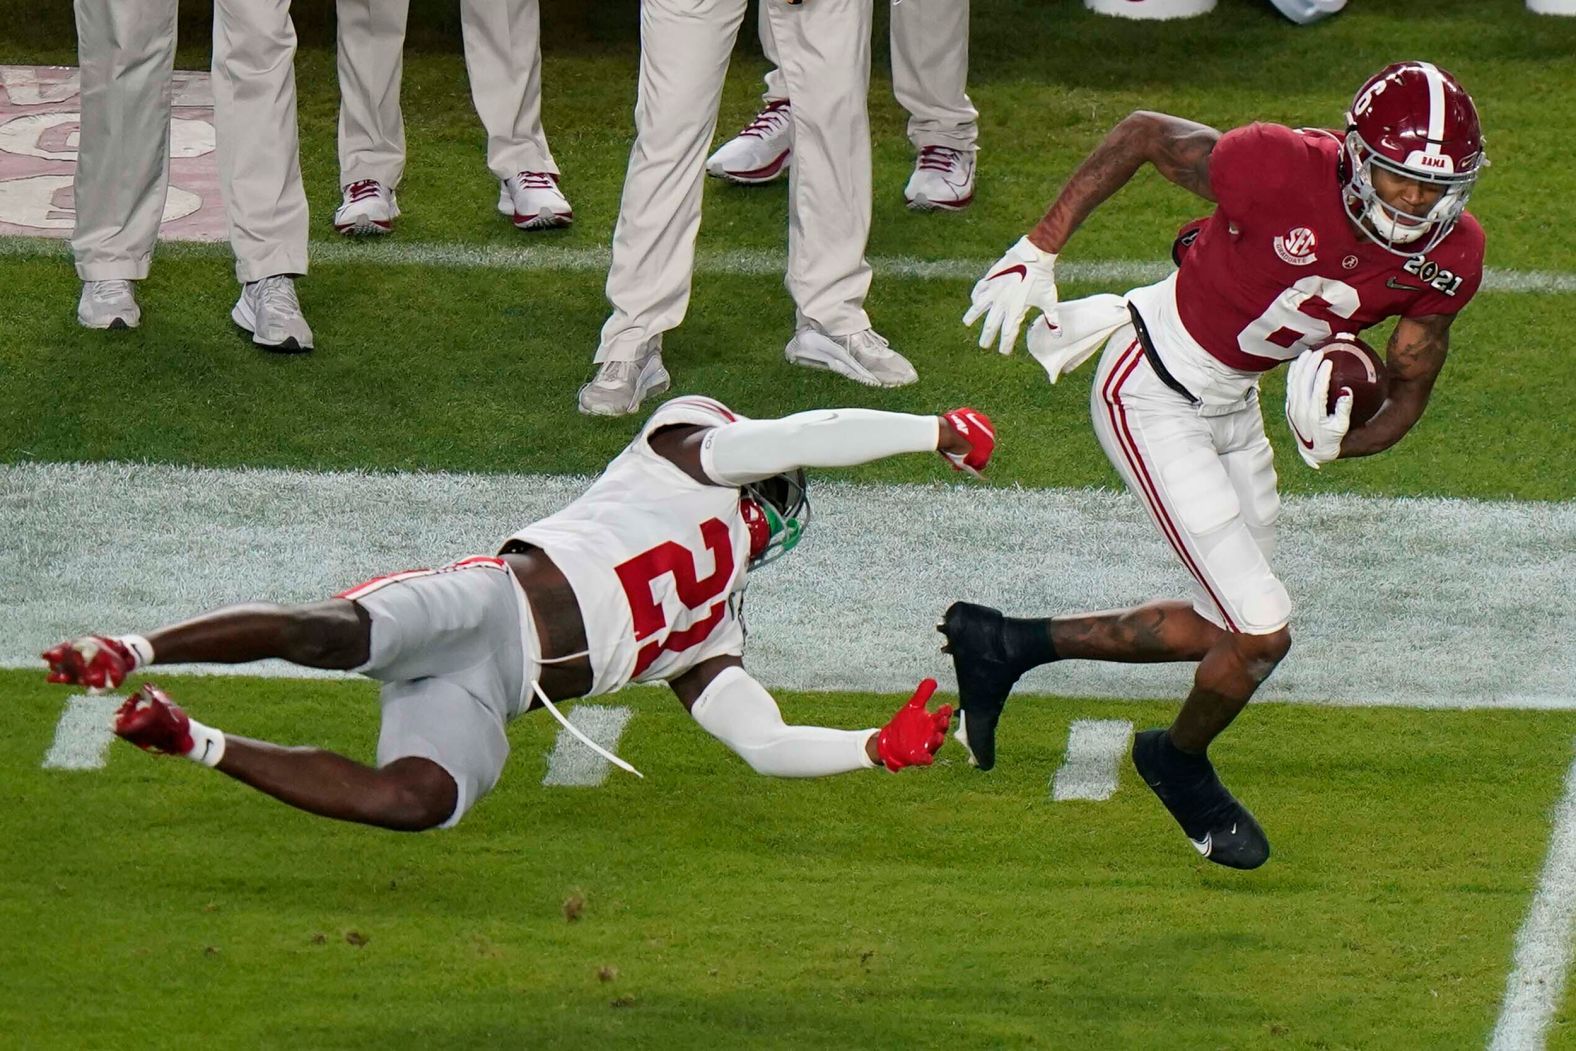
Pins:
x,y
1027,642
1175,761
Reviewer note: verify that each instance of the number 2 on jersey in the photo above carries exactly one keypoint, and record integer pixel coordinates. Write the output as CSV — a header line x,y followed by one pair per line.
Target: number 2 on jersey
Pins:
x,y
705,598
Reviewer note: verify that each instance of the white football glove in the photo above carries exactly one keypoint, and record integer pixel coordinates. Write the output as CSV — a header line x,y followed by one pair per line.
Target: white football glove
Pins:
x,y
1025,277
1318,433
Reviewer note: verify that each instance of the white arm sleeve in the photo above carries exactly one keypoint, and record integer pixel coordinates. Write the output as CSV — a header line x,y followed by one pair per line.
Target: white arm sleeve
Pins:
x,y
737,710
750,450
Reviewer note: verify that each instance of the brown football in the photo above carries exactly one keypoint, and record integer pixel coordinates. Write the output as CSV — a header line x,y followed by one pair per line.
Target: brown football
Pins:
x,y
1355,366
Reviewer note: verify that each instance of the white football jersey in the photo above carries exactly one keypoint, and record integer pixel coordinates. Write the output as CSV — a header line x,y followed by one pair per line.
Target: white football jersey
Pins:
x,y
656,559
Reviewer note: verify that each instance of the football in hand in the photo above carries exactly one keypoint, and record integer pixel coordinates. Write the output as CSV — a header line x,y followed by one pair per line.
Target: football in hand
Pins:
x,y
1356,367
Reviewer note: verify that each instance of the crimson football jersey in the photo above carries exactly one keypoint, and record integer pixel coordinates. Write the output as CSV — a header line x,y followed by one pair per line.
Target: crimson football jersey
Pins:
x,y
1278,267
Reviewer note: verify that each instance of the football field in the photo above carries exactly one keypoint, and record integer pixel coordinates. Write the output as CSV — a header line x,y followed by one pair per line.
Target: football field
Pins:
x,y
1411,761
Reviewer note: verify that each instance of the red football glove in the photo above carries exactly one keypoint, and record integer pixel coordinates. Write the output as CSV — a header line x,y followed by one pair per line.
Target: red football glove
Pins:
x,y
914,735
92,660
154,723
975,428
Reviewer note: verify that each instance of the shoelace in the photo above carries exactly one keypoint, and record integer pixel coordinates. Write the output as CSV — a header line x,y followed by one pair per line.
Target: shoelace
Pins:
x,y
869,342
104,291
279,294
616,373
361,189
537,180
938,159
768,121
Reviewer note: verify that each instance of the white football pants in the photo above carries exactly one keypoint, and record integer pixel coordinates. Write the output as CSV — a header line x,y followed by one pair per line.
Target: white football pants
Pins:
x,y
503,57
930,70
126,51
1207,481
684,50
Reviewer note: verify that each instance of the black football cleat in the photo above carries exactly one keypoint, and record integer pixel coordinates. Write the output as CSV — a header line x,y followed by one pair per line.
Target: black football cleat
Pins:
x,y
985,676
1219,827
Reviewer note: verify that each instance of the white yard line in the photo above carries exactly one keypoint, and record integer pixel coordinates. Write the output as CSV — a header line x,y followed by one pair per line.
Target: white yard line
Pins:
x,y
1415,602
1117,273
1095,748
83,734
571,762
1543,945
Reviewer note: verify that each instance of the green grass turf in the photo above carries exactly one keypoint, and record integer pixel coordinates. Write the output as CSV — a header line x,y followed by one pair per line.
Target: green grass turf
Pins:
x,y
944,907
446,369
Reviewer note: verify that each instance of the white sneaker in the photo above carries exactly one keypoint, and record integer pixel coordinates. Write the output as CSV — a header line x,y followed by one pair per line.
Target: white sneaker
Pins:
x,y
864,357
368,208
269,310
943,178
533,201
761,152
108,304
619,387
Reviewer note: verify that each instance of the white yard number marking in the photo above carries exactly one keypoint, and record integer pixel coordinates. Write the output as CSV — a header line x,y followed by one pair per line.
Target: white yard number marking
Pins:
x,y
1094,749
83,734
572,763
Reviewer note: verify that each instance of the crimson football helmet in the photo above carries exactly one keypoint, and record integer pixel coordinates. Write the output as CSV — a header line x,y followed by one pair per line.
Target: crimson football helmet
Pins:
x,y
1416,120
776,512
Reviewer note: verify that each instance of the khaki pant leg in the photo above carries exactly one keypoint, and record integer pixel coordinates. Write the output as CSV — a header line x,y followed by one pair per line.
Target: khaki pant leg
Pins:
x,y
684,50
126,52
930,72
254,103
824,50
371,59
503,55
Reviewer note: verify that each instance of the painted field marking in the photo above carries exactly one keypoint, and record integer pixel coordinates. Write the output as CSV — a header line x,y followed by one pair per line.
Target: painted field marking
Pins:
x,y
572,763
83,734
740,261
1095,747
1473,590
1543,945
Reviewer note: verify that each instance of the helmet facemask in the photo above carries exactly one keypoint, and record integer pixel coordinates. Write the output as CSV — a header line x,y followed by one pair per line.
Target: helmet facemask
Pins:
x,y
1388,226
776,511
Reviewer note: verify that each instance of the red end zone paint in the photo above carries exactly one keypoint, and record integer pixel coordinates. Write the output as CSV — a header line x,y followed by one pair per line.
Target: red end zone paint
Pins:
x,y
39,118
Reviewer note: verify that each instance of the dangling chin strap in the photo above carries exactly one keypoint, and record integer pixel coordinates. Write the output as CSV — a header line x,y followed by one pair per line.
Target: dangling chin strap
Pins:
x,y
541,694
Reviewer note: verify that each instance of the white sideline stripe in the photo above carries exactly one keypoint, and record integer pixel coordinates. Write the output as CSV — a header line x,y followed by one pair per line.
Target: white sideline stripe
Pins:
x,y
1094,749
771,263
1543,945
1427,603
572,763
83,734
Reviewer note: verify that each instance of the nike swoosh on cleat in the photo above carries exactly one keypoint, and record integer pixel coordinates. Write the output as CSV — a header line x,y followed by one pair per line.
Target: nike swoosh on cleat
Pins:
x,y
1016,268
1205,845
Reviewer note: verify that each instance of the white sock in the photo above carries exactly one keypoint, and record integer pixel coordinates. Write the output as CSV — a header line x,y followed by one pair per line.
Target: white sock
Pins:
x,y
140,648
207,744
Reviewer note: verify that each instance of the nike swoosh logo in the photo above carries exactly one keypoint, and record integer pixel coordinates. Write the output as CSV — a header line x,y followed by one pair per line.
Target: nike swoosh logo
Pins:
x,y
207,746
1017,268
1401,286
1306,444
1205,845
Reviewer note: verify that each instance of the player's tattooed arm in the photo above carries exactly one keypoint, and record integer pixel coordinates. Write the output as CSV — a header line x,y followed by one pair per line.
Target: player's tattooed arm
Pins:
x,y
1415,356
1179,149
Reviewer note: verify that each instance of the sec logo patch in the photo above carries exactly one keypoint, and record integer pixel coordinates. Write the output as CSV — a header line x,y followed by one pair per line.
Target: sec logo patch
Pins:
x,y
1298,247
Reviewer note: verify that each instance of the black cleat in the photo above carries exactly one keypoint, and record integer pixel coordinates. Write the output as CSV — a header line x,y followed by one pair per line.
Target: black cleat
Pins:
x,y
985,676
1219,827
